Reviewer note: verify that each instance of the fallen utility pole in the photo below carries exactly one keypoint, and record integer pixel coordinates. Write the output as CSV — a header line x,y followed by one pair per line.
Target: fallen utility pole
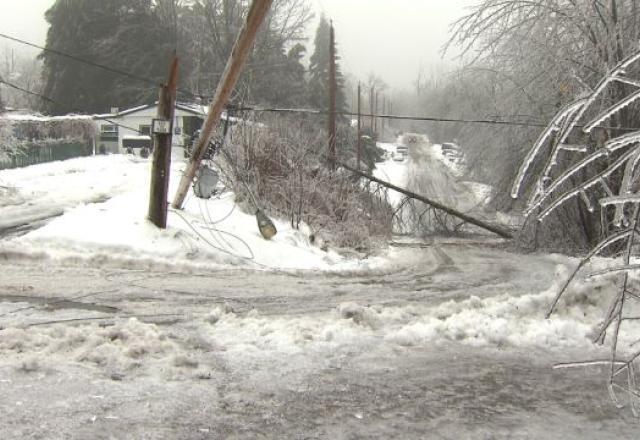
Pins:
x,y
162,132
230,76
462,216
332,99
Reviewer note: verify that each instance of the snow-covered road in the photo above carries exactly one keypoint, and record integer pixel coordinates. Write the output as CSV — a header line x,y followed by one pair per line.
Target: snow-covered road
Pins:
x,y
446,341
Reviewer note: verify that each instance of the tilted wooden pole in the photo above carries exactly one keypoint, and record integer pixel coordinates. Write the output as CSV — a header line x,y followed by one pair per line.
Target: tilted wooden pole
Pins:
x,y
230,76
332,99
161,166
461,215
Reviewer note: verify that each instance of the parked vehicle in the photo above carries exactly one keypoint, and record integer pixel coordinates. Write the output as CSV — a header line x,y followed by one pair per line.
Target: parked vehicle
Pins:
x,y
402,149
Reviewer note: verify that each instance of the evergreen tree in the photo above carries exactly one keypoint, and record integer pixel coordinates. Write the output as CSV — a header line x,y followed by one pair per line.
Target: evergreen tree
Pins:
x,y
319,72
122,34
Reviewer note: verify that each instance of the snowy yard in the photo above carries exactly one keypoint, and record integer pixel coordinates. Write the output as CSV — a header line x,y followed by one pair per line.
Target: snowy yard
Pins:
x,y
101,215
131,332
448,341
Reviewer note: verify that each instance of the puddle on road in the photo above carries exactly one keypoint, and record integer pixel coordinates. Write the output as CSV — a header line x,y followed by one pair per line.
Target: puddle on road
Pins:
x,y
57,303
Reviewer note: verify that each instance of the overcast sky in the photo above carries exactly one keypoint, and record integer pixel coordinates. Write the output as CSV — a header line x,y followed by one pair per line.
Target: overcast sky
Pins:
x,y
391,38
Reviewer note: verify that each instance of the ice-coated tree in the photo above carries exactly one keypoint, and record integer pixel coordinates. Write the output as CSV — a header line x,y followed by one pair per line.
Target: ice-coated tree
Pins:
x,y
319,71
130,35
274,73
524,61
605,178
24,72
7,139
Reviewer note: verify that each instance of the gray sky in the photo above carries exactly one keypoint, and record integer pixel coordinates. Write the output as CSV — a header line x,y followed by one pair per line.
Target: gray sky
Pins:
x,y
24,19
391,38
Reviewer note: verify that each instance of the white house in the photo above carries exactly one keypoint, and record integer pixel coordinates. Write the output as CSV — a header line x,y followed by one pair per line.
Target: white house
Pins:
x,y
131,128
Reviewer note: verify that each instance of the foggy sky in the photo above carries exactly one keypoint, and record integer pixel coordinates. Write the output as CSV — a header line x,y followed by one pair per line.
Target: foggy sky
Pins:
x,y
391,38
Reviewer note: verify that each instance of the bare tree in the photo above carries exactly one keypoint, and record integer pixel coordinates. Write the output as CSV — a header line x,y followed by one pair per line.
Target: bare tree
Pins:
x,y
24,72
525,60
569,173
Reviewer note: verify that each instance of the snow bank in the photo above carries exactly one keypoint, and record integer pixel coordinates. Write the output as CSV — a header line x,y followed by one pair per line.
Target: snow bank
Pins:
x,y
126,348
507,320
103,201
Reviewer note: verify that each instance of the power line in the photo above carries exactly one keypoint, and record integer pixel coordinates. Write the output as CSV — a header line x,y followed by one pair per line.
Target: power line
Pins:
x,y
29,92
46,98
269,110
395,117
82,60
121,72
415,118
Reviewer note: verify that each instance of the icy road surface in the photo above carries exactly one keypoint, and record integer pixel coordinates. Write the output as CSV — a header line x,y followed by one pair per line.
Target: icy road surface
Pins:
x,y
448,341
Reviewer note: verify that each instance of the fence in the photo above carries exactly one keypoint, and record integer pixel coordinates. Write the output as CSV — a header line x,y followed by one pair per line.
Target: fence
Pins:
x,y
31,153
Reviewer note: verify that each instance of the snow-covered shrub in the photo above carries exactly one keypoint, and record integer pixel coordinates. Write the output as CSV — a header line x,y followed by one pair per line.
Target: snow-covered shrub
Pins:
x,y
282,165
7,139
586,156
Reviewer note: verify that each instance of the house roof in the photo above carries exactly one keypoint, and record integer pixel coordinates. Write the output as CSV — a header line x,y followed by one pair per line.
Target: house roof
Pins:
x,y
196,110
27,116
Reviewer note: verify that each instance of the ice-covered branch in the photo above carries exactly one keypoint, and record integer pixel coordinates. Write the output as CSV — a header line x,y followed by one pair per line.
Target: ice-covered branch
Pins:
x,y
553,127
611,111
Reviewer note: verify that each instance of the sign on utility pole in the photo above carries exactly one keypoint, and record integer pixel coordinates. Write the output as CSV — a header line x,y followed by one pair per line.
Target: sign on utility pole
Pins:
x,y
162,129
230,76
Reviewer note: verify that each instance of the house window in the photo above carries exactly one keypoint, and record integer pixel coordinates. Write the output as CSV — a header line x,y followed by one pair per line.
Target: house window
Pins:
x,y
108,131
145,130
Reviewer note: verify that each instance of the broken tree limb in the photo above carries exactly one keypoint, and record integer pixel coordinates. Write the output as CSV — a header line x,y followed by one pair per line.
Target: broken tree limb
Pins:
x,y
230,76
462,216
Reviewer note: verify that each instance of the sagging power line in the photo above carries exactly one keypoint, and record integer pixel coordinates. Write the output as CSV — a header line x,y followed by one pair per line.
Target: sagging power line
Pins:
x,y
157,83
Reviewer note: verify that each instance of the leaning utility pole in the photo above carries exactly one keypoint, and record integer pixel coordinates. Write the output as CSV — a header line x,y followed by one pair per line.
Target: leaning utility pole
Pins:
x,y
230,76
332,98
359,141
162,132
461,215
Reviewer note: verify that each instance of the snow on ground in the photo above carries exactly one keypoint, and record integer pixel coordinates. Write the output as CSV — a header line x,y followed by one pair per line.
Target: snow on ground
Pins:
x,y
500,310
102,205
392,171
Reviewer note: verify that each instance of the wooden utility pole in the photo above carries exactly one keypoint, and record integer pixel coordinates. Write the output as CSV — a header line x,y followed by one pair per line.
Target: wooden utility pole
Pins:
x,y
332,98
375,112
372,92
383,121
230,76
161,166
359,141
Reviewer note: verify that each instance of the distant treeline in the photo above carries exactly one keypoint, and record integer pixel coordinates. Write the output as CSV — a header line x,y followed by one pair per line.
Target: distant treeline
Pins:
x,y
140,36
